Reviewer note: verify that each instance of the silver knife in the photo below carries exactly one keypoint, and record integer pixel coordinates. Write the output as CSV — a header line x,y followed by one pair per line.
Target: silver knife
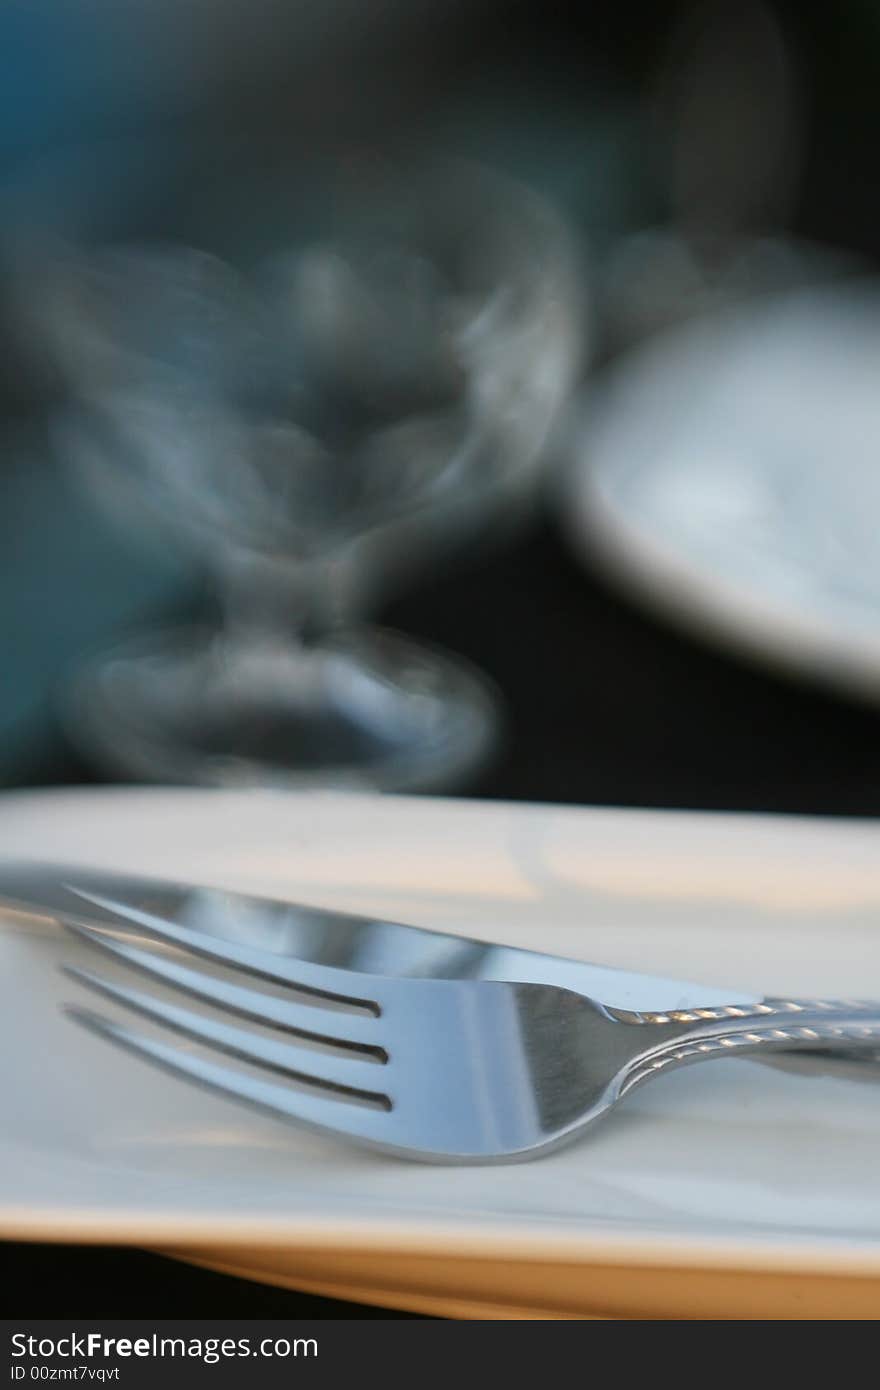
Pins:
x,y
371,945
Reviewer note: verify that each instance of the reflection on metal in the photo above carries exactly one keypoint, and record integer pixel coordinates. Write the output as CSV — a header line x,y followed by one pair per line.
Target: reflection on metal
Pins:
x,y
348,941
467,1069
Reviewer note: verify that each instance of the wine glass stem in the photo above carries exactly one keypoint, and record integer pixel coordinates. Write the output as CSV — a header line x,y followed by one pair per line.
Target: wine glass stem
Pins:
x,y
264,601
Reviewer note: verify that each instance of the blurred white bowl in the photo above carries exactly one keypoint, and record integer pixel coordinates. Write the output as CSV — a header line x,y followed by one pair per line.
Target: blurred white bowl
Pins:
x,y
728,474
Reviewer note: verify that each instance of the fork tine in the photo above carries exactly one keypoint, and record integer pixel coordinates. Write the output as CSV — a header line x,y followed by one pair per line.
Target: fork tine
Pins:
x,y
337,1029
328,981
355,1074
331,1113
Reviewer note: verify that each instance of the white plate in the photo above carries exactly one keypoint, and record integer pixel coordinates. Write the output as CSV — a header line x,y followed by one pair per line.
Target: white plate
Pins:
x,y
730,1189
728,474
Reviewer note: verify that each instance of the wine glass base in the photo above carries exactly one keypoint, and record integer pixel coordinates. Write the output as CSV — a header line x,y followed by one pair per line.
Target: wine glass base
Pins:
x,y
367,709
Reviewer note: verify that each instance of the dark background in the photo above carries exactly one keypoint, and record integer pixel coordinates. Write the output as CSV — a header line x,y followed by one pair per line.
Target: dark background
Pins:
x,y
605,704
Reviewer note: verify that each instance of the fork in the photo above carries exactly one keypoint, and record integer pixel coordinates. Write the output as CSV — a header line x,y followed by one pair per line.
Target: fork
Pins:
x,y
444,1070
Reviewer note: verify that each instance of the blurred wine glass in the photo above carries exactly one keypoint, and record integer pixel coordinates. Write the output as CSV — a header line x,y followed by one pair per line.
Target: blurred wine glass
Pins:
x,y
378,381
728,102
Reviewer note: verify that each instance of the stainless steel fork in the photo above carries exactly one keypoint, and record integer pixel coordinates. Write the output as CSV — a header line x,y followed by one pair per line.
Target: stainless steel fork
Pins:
x,y
445,1070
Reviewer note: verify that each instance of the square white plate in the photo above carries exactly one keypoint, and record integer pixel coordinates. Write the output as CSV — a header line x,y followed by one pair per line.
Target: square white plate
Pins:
x,y
730,1189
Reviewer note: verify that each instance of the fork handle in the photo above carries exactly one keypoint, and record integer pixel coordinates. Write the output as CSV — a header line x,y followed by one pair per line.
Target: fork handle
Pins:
x,y
771,1007
791,1027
